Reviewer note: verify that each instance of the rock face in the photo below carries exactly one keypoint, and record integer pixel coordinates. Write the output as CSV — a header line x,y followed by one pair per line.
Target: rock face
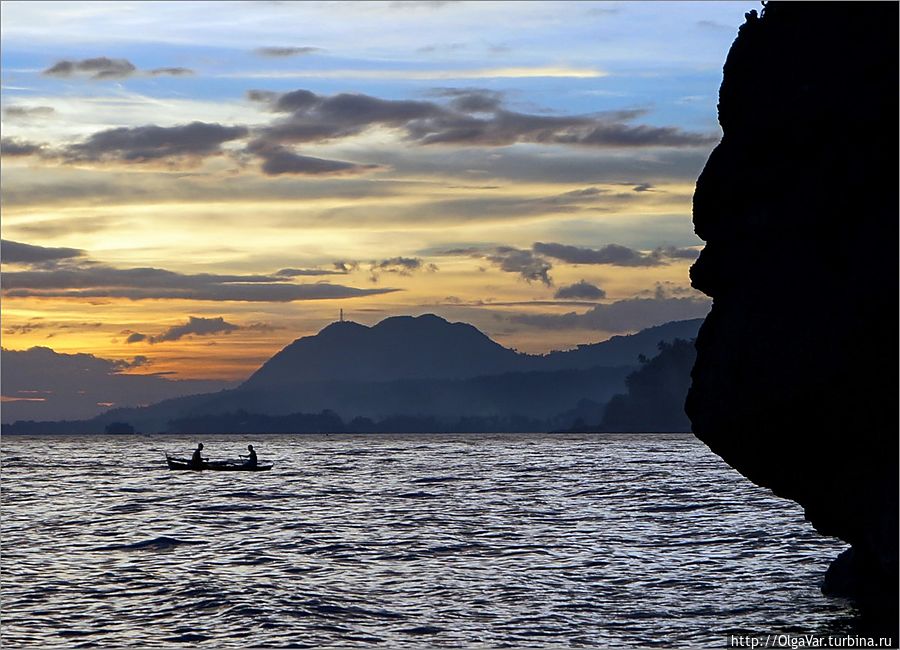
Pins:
x,y
795,383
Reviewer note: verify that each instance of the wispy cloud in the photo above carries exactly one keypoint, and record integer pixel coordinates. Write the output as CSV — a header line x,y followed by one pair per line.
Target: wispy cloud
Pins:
x,y
279,52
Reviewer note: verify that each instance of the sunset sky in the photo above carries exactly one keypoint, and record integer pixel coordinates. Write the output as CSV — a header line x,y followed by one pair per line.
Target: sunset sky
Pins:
x,y
197,184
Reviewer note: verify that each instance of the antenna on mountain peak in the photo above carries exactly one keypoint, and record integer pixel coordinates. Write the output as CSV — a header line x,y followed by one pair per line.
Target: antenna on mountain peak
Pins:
x,y
342,315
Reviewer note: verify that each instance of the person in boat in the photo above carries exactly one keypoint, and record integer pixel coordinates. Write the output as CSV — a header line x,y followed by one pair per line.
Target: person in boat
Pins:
x,y
251,460
197,459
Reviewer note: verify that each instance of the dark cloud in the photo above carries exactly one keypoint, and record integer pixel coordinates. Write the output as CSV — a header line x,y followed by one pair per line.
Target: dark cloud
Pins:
x,y
529,266
262,96
676,253
152,143
610,254
471,100
316,118
135,337
622,316
580,290
472,117
25,328
525,263
400,266
293,273
261,327
643,187
196,326
613,254
279,160
172,72
26,112
102,67
14,148
93,280
285,51
535,264
237,293
626,135
139,362
97,68
12,252
344,266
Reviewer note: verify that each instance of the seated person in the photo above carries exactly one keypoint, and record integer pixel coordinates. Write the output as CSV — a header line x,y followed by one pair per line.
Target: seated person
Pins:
x,y
197,459
251,459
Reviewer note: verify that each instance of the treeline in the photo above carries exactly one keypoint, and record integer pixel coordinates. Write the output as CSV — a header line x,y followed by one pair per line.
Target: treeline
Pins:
x,y
241,421
330,422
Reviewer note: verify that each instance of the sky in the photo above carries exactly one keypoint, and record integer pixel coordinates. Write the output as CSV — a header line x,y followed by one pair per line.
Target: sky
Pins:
x,y
189,186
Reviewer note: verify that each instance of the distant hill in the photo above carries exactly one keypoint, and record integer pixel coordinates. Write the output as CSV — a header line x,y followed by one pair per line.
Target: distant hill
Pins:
x,y
40,383
622,350
429,347
423,367
401,347
656,393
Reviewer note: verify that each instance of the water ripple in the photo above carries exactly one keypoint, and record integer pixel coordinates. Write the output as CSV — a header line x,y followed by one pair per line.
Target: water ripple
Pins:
x,y
451,541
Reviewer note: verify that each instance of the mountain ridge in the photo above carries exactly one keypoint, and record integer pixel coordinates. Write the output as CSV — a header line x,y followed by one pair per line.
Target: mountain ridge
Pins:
x,y
422,366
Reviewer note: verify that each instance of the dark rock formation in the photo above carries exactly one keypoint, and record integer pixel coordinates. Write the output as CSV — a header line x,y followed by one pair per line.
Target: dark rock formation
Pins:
x,y
795,383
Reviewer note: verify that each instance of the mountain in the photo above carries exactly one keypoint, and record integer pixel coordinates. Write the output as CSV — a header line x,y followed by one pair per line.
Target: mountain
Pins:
x,y
622,350
401,347
424,367
429,347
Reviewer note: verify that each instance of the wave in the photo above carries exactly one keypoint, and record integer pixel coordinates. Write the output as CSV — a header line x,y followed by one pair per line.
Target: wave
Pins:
x,y
156,544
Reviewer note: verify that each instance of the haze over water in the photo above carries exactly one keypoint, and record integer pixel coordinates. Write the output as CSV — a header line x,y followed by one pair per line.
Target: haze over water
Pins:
x,y
401,540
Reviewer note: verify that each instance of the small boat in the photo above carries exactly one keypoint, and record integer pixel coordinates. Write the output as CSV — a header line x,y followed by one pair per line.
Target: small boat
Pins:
x,y
216,465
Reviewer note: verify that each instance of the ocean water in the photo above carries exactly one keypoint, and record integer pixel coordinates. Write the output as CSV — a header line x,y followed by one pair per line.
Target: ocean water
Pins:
x,y
401,540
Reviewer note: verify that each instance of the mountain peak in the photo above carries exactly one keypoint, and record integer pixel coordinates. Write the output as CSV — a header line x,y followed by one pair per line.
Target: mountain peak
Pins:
x,y
399,347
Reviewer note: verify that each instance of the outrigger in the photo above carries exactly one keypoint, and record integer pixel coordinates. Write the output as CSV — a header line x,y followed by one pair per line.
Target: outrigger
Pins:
x,y
174,462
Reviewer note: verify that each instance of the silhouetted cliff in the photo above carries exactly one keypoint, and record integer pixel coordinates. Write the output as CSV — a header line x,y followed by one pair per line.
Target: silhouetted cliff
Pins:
x,y
795,383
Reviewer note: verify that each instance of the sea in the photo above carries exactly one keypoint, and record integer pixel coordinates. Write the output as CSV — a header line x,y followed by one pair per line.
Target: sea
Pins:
x,y
456,541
